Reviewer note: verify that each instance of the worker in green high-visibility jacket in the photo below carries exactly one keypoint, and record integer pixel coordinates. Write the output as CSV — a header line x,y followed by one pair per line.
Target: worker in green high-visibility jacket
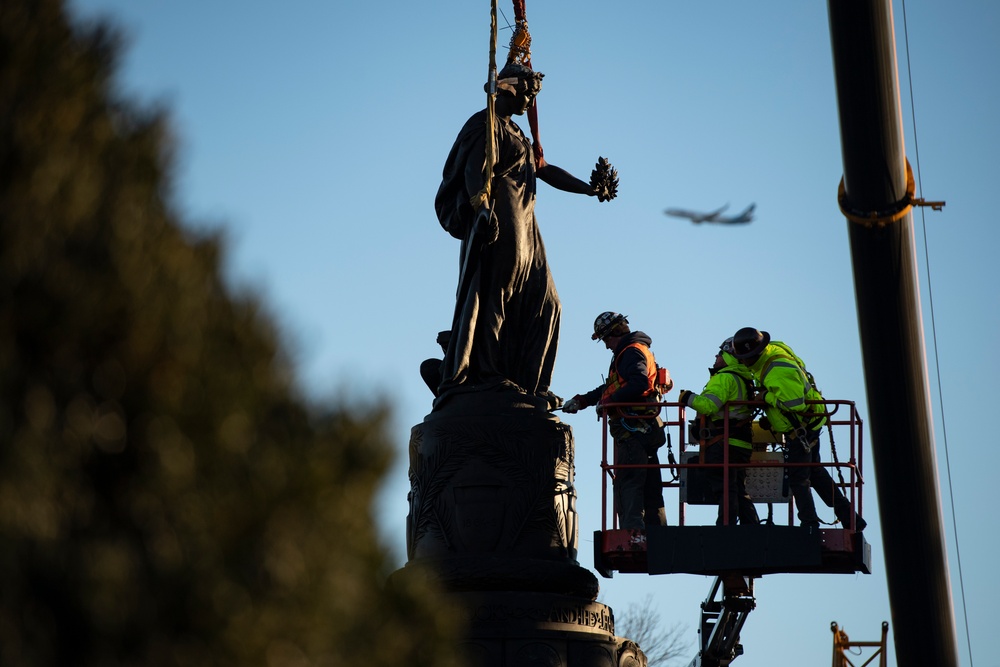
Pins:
x,y
730,381
786,386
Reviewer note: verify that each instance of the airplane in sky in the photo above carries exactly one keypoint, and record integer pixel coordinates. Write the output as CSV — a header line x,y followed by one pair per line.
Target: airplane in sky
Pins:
x,y
714,216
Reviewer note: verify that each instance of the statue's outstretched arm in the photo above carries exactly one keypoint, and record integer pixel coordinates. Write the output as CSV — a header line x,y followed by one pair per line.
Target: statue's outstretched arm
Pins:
x,y
561,179
603,180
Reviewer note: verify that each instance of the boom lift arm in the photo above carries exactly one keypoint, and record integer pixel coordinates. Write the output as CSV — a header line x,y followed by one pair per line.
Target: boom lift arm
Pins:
x,y
722,619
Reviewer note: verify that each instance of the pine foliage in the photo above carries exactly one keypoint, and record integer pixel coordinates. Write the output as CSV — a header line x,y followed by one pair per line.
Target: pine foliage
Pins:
x,y
166,495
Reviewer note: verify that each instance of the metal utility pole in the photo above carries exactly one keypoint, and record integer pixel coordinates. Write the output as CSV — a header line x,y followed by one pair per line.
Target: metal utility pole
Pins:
x,y
875,196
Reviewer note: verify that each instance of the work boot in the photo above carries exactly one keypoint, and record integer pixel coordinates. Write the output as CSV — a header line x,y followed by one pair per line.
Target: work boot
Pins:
x,y
844,511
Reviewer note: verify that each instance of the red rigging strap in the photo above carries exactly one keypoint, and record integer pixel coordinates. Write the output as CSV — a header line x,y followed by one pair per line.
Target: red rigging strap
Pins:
x,y
536,144
522,40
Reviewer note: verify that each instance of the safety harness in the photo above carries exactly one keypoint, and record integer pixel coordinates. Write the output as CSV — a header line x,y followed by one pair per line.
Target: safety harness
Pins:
x,y
641,421
803,428
615,382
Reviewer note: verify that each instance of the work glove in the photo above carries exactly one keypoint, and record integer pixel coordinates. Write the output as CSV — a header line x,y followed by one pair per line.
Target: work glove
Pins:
x,y
765,423
573,405
684,396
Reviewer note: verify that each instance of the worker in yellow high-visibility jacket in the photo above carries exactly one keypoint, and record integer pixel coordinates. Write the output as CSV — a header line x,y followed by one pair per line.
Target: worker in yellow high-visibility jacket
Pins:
x,y
729,381
786,387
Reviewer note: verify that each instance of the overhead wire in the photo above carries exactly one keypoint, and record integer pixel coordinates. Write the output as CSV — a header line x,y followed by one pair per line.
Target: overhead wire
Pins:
x,y
937,363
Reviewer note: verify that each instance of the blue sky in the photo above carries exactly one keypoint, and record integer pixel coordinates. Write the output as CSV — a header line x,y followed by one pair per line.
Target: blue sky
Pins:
x,y
313,134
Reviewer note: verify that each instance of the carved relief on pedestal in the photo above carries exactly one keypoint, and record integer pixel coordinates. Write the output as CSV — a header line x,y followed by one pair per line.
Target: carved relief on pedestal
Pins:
x,y
500,483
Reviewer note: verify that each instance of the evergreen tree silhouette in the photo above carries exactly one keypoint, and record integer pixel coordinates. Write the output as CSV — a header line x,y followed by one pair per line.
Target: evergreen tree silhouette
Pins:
x,y
167,496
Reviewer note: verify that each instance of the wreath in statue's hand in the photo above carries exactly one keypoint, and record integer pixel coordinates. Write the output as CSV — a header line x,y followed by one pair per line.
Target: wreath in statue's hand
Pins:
x,y
604,180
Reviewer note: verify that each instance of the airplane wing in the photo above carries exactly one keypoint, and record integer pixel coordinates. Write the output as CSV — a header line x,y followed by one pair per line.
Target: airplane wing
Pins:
x,y
740,218
695,216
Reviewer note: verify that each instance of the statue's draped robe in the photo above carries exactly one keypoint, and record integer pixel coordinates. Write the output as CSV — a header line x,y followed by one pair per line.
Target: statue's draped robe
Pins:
x,y
506,323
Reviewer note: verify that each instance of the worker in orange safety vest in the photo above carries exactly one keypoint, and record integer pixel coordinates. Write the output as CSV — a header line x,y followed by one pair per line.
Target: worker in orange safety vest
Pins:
x,y
637,430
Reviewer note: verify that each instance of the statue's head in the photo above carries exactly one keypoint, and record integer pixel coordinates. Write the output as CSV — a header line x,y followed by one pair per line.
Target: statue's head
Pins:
x,y
515,78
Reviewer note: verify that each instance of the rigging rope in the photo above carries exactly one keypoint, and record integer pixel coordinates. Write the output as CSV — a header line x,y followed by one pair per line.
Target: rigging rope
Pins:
x,y
520,52
482,197
937,363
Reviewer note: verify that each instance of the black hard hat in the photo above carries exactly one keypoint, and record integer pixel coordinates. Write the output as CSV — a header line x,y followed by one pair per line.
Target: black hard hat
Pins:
x,y
606,323
749,342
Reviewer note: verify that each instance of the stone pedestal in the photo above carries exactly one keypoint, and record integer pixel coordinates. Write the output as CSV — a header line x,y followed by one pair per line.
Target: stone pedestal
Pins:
x,y
493,518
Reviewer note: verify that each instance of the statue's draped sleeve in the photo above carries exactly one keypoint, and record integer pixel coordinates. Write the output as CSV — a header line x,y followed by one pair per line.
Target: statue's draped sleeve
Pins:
x,y
462,177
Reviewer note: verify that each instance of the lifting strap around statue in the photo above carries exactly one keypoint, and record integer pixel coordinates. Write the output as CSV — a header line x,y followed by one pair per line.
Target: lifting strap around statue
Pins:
x,y
482,198
520,51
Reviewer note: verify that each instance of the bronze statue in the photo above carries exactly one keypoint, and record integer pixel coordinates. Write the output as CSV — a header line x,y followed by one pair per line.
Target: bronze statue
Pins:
x,y
506,321
492,498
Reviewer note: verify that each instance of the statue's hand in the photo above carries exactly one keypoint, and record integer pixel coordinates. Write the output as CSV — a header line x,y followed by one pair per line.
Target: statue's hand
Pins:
x,y
486,227
604,180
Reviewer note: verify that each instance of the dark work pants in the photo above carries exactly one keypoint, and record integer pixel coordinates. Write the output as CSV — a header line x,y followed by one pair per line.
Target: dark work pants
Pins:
x,y
638,492
740,505
803,480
